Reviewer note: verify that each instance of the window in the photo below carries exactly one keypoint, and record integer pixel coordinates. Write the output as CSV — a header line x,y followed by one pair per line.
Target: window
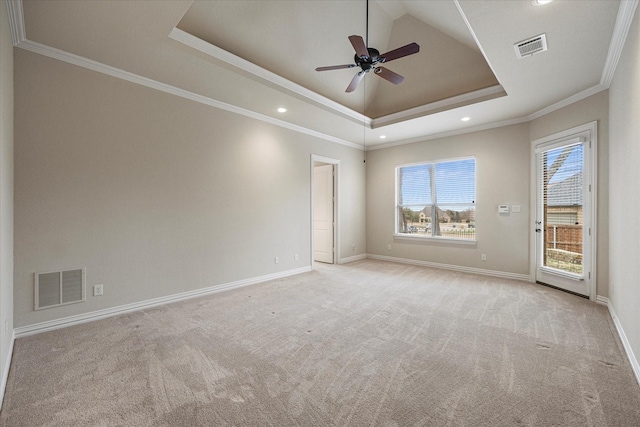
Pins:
x,y
437,199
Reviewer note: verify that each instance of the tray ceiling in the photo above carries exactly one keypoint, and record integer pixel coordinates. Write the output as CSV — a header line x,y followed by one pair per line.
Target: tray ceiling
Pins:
x,y
291,39
466,66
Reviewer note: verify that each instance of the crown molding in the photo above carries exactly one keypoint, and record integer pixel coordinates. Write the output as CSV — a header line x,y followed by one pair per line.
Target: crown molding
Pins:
x,y
16,21
623,23
445,104
624,19
566,102
551,108
478,128
475,38
89,64
207,48
234,60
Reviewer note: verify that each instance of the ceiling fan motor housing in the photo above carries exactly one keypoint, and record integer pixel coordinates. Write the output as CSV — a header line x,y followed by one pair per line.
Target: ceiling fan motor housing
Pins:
x,y
368,63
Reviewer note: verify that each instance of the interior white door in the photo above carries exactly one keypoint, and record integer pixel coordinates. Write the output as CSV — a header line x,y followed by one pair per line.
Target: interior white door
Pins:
x,y
323,221
563,215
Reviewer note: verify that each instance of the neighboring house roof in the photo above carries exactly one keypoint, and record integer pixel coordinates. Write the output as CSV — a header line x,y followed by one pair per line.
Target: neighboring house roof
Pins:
x,y
441,214
567,192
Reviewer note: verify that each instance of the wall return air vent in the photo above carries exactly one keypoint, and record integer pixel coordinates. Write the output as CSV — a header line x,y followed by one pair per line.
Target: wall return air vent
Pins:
x,y
530,46
56,288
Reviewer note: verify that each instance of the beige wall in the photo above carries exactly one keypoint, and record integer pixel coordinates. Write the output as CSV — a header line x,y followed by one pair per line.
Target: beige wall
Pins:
x,y
503,174
593,108
502,177
624,188
157,195
6,190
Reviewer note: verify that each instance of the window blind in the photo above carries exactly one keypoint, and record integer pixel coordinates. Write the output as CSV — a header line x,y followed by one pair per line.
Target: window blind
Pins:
x,y
437,199
562,196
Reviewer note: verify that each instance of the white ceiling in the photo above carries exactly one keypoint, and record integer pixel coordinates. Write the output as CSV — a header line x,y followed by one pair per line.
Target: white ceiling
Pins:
x,y
253,57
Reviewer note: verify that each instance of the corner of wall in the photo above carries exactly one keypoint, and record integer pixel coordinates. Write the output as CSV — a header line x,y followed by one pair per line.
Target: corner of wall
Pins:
x,y
6,196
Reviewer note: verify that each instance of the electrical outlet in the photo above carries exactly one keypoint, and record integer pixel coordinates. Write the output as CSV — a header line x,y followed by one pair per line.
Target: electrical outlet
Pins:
x,y
276,260
353,248
483,257
295,257
388,247
97,290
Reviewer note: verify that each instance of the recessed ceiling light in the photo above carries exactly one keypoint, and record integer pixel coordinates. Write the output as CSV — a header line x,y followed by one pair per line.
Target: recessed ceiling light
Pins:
x,y
282,110
540,2
383,136
465,119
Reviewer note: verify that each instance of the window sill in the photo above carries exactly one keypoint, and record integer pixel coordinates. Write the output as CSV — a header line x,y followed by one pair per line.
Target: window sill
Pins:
x,y
431,239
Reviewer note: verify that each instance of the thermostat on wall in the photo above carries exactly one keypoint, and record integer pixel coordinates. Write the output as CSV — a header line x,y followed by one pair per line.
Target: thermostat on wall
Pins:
x,y
503,209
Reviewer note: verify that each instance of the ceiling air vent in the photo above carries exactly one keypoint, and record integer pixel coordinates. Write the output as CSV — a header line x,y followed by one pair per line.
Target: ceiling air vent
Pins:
x,y
530,46
56,288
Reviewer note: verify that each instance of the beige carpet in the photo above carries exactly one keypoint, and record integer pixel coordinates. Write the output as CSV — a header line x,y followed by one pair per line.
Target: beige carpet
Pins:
x,y
369,343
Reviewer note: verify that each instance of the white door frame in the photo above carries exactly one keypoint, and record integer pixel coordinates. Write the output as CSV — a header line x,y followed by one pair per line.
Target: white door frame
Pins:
x,y
590,132
336,169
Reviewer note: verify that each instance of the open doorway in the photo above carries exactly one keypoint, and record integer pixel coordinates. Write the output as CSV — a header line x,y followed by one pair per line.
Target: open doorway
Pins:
x,y
324,187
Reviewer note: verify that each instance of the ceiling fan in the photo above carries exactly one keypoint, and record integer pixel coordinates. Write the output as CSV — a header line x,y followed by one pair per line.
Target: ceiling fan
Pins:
x,y
368,58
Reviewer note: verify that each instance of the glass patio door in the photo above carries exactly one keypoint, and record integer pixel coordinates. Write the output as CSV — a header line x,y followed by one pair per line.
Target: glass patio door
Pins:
x,y
563,215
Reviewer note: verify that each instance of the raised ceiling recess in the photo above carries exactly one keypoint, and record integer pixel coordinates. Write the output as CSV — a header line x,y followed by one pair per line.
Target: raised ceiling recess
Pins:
x,y
291,39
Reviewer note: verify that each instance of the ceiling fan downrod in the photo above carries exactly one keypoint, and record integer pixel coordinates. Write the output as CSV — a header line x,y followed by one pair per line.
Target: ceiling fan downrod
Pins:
x,y
368,58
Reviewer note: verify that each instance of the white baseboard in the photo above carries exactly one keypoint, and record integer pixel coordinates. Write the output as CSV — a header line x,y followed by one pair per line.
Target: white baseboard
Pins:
x,y
623,337
462,269
352,259
127,308
602,300
7,366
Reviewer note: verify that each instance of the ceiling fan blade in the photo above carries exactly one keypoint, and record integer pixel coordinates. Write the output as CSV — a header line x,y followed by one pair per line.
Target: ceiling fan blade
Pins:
x,y
354,82
389,75
358,45
335,67
400,52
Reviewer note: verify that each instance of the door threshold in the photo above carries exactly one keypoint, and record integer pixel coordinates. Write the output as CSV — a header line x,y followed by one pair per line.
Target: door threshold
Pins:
x,y
563,290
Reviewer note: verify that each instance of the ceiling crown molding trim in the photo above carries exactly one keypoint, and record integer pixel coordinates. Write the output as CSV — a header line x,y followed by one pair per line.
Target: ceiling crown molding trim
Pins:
x,y
623,23
234,60
16,21
478,128
475,38
435,107
624,19
89,64
567,101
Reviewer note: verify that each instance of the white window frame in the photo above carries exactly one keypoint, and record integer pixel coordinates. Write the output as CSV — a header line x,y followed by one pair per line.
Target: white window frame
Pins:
x,y
443,239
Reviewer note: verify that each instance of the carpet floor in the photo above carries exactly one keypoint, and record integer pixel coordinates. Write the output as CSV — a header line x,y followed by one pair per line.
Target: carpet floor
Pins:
x,y
367,343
